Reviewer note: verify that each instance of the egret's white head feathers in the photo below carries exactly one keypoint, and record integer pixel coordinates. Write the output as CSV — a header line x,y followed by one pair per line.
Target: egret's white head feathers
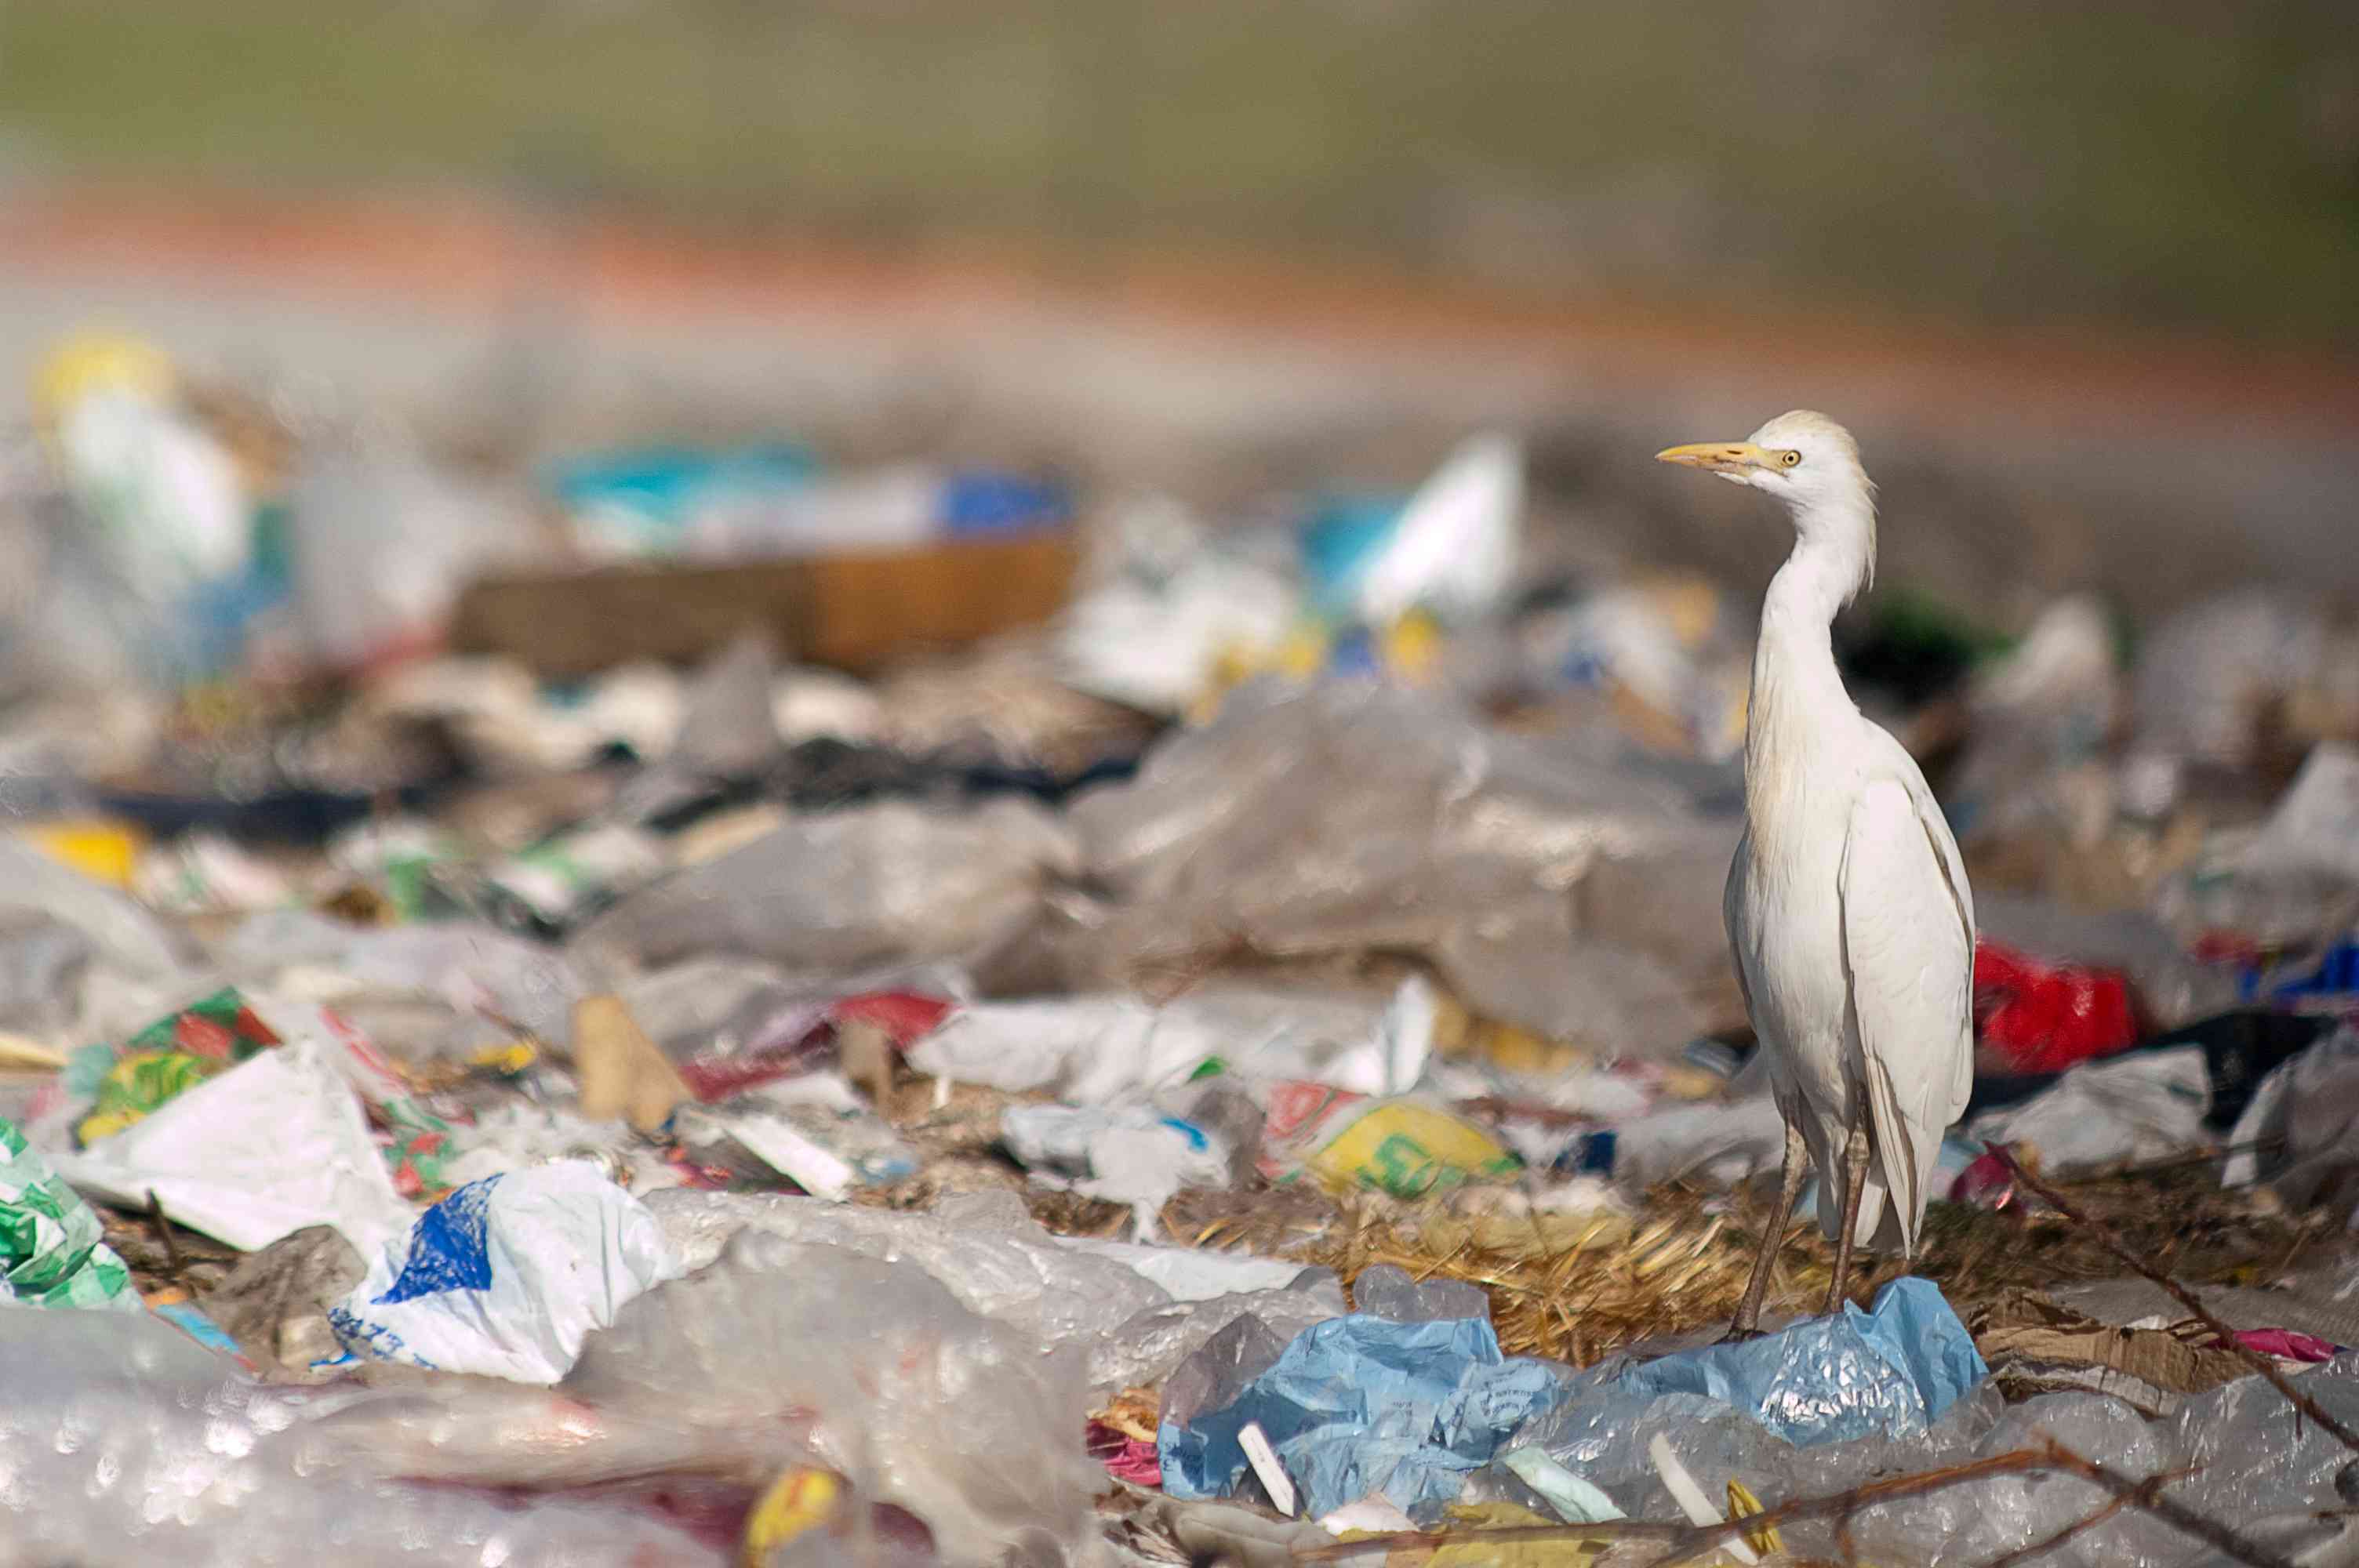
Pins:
x,y
1811,464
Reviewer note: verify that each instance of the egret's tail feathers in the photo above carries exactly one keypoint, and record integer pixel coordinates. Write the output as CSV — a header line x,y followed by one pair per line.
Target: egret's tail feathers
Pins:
x,y
1906,1151
1881,1218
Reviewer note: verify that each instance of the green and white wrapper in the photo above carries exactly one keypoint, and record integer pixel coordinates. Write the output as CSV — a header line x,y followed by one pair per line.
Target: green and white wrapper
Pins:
x,y
50,1250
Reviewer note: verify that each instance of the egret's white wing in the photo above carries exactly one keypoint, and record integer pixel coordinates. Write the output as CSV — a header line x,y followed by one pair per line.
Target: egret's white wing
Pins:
x,y
1732,919
1909,944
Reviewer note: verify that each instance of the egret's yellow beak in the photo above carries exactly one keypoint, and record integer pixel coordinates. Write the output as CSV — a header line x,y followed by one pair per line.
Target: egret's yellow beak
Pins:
x,y
1720,457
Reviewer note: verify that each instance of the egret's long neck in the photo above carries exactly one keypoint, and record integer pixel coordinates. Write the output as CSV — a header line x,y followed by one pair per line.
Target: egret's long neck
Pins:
x,y
1796,688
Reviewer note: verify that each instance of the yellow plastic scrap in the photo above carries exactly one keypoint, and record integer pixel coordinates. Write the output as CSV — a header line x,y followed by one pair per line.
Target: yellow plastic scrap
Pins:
x,y
801,1499
1409,1150
101,849
1458,1033
1743,1504
506,1060
95,360
1412,645
1570,1552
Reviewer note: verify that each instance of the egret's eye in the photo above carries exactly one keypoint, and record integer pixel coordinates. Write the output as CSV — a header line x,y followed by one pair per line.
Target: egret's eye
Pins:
x,y
1789,458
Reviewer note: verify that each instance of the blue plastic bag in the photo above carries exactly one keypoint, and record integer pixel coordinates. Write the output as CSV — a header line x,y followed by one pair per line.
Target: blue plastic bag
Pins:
x,y
1890,1373
1360,1404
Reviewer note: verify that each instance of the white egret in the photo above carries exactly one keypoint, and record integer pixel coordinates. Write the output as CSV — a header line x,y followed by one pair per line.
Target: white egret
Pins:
x,y
1847,907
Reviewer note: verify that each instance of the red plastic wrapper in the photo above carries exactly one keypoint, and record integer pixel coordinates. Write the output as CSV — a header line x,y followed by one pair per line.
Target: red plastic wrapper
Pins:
x,y
804,1036
1125,1458
1987,1182
2032,1017
906,1017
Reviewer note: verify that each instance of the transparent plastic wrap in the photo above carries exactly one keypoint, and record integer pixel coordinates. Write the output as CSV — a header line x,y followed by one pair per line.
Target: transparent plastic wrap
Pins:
x,y
1137,1311
2211,677
868,1356
1979,1523
124,936
1152,1345
1094,1048
477,981
2040,719
381,542
867,885
121,1439
996,1262
1348,817
2260,1455
2297,879
42,966
2143,1104
2300,1133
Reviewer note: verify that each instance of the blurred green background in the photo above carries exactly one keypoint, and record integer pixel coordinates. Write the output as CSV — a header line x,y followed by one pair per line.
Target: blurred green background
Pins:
x,y
2194,166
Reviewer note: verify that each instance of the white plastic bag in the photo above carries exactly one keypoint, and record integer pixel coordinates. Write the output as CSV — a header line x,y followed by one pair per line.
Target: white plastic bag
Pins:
x,y
508,1276
1453,551
274,1144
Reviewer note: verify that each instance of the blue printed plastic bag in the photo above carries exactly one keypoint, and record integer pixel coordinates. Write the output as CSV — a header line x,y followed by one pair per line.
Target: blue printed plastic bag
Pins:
x,y
508,1276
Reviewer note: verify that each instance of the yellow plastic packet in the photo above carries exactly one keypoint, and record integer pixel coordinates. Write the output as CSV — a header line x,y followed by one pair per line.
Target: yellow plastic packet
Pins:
x,y
1743,1504
800,1500
1408,1149
99,847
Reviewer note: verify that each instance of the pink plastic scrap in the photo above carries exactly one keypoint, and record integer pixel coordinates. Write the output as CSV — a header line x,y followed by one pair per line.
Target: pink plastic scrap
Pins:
x,y
1125,1458
2285,1345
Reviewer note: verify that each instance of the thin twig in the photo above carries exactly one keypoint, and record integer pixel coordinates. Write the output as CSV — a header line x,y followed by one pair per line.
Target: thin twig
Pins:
x,y
2143,1493
2186,1298
2046,1544
155,1217
2147,1495
1684,1538
1686,1542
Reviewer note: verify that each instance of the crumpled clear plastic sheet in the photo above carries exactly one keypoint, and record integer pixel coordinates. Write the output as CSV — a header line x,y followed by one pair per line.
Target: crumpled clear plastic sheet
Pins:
x,y
917,1401
1094,1048
479,983
2141,1105
2296,880
1605,1442
2264,1472
42,963
1114,1301
121,1439
1348,817
840,889
1979,1522
125,935
2298,1132
2209,675
2259,1455
1387,1291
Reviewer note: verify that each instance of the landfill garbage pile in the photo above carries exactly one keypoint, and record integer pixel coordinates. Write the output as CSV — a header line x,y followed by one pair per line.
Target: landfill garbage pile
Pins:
x,y
689,1006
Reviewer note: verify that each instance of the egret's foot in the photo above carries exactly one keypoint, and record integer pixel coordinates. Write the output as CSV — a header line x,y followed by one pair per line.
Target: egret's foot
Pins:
x,y
1736,1335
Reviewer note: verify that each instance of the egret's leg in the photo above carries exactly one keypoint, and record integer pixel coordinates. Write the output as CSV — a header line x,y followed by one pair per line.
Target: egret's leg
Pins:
x,y
1790,1186
1855,1174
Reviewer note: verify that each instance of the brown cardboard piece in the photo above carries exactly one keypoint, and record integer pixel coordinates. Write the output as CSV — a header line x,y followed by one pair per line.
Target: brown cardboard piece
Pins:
x,y
858,611
623,1072
2027,1329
